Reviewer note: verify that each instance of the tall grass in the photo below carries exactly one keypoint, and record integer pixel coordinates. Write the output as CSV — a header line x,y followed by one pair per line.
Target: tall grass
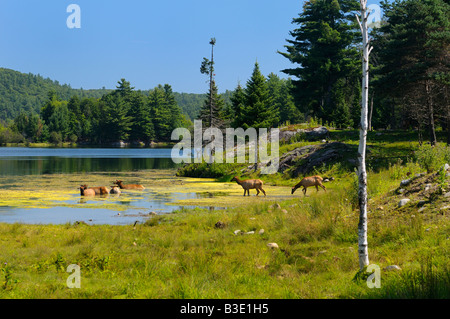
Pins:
x,y
426,282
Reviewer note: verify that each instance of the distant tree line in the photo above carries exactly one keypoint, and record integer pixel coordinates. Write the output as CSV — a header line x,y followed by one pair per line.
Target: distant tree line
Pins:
x,y
123,114
28,92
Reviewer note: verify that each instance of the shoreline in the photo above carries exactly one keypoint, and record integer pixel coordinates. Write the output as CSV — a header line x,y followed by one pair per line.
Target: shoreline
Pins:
x,y
76,145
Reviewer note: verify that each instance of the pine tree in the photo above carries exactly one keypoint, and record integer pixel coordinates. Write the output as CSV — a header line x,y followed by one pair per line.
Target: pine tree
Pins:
x,y
116,122
280,91
176,117
124,89
211,112
238,105
142,126
55,115
161,114
75,116
259,110
415,57
324,47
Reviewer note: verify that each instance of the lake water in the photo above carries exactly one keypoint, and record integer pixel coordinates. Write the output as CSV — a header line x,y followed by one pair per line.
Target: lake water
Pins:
x,y
33,162
37,161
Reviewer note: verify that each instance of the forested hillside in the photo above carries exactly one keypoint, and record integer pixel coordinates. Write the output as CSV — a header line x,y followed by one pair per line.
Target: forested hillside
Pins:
x,y
29,92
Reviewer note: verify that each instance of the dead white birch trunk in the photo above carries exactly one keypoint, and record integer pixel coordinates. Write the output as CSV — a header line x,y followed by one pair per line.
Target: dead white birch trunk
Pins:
x,y
362,174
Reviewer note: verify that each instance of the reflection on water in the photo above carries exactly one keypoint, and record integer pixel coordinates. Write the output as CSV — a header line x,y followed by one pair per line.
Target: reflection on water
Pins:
x,y
37,161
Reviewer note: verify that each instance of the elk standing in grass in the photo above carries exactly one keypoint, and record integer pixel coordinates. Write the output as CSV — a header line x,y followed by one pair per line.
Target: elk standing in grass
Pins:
x,y
250,184
128,186
308,182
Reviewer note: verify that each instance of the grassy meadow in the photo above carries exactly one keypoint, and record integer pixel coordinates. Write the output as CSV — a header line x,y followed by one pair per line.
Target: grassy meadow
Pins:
x,y
188,254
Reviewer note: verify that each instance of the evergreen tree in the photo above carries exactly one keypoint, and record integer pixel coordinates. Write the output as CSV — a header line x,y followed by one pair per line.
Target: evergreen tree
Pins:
x,y
176,117
90,119
238,105
124,89
75,116
115,122
142,126
55,115
415,57
280,91
324,45
161,114
21,124
259,110
211,112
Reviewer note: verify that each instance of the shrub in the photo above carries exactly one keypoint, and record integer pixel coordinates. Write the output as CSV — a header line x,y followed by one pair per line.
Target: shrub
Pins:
x,y
55,138
432,157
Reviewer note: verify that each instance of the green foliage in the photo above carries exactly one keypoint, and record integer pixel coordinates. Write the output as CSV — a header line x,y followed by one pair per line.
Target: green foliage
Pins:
x,y
324,46
259,110
10,135
212,111
55,138
123,114
432,158
27,93
411,48
7,276
238,105
116,123
166,114
190,103
213,170
280,90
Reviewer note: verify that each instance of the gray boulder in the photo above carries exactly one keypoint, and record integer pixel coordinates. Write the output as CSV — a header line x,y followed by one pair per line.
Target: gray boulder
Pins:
x,y
316,133
403,202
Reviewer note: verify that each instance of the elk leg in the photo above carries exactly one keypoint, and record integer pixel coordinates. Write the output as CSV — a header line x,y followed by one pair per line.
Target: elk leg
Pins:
x,y
263,191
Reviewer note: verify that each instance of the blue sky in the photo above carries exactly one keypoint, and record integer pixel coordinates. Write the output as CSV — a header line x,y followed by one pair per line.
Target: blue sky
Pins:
x,y
146,42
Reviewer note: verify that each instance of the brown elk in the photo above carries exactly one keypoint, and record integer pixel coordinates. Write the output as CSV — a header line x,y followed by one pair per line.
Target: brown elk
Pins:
x,y
99,190
308,182
128,186
250,184
115,190
86,191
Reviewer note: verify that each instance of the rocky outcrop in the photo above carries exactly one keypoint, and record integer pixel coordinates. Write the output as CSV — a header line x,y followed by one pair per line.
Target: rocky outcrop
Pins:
x,y
312,134
304,159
